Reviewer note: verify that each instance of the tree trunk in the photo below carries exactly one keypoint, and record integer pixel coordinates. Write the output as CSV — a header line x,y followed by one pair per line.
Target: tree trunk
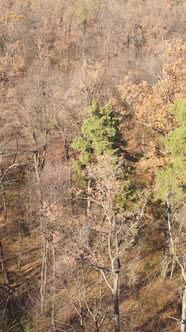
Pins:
x,y
4,201
88,195
82,323
116,303
97,326
53,287
44,272
3,265
183,321
182,267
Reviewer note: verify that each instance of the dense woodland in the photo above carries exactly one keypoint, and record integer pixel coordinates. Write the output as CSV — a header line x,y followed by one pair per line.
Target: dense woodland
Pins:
x,y
92,165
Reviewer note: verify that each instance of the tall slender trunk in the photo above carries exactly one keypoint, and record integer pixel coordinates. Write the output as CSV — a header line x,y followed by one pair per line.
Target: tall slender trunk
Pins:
x,y
183,321
116,282
44,272
53,287
82,323
70,187
168,208
116,302
3,265
88,194
97,326
4,201
3,188
178,261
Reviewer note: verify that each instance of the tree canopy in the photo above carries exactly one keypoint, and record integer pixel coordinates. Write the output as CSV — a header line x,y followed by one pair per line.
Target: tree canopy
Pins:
x,y
172,179
100,135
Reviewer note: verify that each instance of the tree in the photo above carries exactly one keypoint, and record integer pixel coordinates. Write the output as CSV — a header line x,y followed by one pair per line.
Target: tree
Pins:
x,y
170,187
148,104
101,158
171,181
100,135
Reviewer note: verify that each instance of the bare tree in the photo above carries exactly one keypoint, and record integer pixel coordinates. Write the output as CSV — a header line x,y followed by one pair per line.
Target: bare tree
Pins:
x,y
179,259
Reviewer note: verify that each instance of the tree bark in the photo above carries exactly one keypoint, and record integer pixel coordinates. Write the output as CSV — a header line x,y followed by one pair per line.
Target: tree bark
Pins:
x,y
97,326
180,264
88,195
53,287
183,321
4,201
82,323
3,265
116,302
44,272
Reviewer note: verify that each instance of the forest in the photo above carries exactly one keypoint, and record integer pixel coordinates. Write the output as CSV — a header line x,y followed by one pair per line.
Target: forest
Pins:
x,y
92,166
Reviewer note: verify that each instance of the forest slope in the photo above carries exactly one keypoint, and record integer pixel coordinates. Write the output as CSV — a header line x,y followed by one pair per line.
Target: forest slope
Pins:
x,y
57,58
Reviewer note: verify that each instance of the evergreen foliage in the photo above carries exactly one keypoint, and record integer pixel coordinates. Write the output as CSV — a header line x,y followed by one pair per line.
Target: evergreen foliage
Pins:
x,y
100,135
100,149
53,229
172,180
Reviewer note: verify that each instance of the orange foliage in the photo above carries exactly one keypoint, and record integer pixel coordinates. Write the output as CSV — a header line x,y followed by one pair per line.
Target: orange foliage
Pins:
x,y
151,102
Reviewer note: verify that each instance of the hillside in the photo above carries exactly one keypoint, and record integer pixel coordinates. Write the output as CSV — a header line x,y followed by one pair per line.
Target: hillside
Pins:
x,y
92,166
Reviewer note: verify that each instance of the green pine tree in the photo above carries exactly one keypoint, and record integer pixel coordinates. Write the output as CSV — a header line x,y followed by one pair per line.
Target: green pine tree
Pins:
x,y
172,180
100,135
100,154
